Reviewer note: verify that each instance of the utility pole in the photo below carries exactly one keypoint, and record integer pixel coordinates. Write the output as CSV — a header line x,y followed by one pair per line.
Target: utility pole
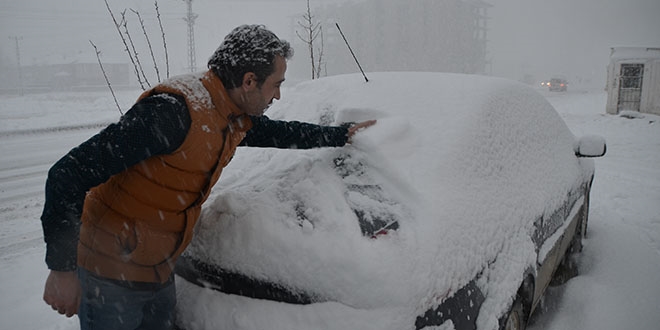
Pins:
x,y
18,65
190,19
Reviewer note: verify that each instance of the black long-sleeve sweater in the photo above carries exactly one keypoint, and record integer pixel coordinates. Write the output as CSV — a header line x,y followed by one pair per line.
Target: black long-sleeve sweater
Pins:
x,y
155,125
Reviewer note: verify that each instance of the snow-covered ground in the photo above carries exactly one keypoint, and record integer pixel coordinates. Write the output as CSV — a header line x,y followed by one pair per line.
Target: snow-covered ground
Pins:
x,y
616,288
618,283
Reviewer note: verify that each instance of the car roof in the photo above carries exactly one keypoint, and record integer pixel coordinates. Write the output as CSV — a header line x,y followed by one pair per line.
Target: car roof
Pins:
x,y
464,121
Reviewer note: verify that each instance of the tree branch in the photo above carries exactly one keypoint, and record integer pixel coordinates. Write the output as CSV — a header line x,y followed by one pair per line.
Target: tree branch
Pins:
x,y
137,59
162,32
146,36
123,39
98,57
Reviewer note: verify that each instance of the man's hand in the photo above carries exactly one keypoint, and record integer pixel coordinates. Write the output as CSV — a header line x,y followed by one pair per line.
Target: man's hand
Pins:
x,y
62,292
358,126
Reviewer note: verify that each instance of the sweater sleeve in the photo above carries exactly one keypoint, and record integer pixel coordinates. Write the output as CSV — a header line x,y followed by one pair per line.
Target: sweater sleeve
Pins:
x,y
268,133
154,125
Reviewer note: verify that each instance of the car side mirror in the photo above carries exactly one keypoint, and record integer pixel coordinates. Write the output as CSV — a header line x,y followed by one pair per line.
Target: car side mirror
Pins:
x,y
590,146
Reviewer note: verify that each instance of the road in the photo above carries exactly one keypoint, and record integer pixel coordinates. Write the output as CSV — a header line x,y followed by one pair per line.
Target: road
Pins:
x,y
27,156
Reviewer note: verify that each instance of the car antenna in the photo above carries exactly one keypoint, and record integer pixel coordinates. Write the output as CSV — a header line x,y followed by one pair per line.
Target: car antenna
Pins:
x,y
349,48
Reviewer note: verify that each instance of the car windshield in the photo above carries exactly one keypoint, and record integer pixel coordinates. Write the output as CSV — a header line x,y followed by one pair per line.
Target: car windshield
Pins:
x,y
377,213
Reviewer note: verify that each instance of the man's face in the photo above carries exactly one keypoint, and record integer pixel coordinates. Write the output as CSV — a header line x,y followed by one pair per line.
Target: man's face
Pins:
x,y
259,98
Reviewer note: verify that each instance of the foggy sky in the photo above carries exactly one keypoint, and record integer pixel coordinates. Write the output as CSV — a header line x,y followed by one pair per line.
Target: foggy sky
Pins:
x,y
567,37
534,37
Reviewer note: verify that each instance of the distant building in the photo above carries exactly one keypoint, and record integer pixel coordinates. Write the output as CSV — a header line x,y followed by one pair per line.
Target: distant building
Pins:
x,y
633,80
75,76
394,35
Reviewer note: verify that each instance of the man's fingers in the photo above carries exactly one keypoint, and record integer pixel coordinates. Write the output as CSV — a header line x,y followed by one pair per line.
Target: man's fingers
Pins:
x,y
62,292
69,312
77,305
353,129
364,124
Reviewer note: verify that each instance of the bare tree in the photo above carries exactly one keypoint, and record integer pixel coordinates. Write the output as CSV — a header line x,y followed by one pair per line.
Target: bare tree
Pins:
x,y
312,30
123,39
132,52
130,48
320,62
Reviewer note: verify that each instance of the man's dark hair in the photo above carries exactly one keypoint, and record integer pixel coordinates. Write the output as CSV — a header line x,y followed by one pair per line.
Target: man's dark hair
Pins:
x,y
248,48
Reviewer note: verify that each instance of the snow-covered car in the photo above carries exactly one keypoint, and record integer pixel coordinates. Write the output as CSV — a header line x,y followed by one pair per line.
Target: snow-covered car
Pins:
x,y
453,212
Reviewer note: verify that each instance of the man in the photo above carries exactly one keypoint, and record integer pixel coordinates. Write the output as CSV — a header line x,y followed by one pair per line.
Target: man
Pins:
x,y
121,207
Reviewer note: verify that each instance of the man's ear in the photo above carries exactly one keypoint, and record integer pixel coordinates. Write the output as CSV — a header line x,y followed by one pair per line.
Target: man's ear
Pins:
x,y
249,81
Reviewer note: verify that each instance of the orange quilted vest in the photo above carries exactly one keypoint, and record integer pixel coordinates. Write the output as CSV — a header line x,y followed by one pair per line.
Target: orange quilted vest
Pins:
x,y
136,224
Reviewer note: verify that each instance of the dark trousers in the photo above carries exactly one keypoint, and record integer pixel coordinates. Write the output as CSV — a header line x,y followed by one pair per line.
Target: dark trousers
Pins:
x,y
106,305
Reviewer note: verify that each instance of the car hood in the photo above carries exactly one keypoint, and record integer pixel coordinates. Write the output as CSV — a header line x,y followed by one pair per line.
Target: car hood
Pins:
x,y
463,164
